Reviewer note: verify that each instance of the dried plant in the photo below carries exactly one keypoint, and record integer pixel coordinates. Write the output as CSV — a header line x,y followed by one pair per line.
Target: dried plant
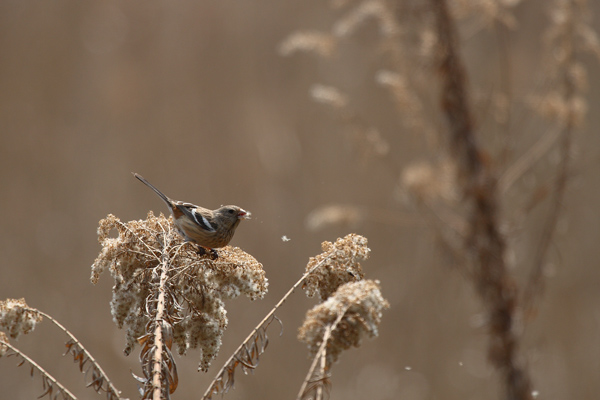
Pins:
x,y
350,308
245,356
52,388
352,216
569,35
337,265
17,319
465,187
352,312
485,245
167,292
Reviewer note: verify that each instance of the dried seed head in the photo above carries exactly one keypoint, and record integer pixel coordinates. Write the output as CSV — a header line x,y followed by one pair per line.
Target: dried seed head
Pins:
x,y
372,9
334,215
361,305
338,264
329,95
431,181
196,285
318,42
16,319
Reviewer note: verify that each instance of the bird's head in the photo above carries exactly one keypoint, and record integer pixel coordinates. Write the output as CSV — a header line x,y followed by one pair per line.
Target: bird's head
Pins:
x,y
232,214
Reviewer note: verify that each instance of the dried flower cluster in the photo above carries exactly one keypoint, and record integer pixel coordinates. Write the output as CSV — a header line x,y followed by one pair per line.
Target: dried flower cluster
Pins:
x,y
321,43
569,36
338,264
369,141
460,190
357,305
351,309
329,95
378,10
16,318
148,255
431,181
337,214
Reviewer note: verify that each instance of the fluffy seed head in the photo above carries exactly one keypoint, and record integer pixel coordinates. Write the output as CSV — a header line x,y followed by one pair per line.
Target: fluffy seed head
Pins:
x,y
360,304
196,286
338,264
16,319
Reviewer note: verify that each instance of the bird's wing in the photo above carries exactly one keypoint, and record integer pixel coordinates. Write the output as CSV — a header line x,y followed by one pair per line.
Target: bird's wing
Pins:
x,y
201,216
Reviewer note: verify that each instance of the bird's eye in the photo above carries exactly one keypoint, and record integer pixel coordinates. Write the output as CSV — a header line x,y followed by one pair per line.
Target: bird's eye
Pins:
x,y
230,210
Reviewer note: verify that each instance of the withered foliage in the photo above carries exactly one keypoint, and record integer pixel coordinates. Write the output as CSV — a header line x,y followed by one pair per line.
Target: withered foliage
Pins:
x,y
360,305
485,245
17,318
351,313
246,356
94,376
339,263
170,292
351,309
325,273
51,387
569,37
465,185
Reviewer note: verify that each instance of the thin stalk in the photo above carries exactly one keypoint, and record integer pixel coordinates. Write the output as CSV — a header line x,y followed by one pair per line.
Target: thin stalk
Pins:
x,y
321,356
158,337
41,370
111,387
213,385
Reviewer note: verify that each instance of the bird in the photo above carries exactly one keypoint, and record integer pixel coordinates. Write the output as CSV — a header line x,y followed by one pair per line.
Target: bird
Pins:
x,y
209,229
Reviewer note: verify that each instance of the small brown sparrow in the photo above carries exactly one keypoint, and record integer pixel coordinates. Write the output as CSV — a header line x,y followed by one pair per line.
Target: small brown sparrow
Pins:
x,y
208,228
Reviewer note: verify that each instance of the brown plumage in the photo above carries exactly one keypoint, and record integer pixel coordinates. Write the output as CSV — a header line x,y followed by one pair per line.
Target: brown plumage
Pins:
x,y
207,228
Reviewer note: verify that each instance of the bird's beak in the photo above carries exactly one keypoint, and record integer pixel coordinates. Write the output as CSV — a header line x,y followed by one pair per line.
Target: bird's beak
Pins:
x,y
243,214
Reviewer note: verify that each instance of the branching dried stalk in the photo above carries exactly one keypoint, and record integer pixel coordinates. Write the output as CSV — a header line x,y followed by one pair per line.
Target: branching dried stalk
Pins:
x,y
351,309
565,44
99,381
527,160
248,353
338,264
485,244
350,314
52,388
470,221
167,292
156,359
16,318
316,381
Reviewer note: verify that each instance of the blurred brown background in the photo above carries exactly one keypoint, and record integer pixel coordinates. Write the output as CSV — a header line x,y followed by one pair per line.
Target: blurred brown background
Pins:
x,y
195,97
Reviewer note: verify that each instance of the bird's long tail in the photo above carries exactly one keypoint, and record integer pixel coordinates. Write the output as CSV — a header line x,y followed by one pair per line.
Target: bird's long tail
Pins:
x,y
158,192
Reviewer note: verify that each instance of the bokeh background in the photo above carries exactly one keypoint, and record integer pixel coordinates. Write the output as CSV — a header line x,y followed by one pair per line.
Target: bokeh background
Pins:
x,y
195,96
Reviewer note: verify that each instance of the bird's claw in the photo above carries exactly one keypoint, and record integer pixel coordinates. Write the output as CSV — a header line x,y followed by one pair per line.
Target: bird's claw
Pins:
x,y
203,251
